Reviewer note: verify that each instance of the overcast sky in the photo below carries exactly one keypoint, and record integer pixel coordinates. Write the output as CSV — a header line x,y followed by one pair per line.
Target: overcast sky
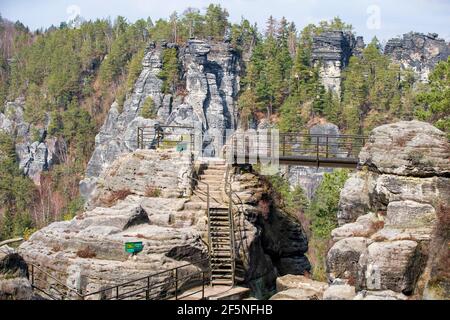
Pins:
x,y
382,18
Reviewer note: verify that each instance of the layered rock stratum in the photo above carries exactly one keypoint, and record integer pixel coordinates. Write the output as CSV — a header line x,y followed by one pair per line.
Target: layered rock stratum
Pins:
x,y
394,215
418,52
210,73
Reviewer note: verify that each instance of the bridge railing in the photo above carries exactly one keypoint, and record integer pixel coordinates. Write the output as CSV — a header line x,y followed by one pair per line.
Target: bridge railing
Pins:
x,y
296,145
321,146
160,136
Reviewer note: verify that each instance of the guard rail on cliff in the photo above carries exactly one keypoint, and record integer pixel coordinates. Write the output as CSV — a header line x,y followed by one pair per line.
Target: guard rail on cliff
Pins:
x,y
175,283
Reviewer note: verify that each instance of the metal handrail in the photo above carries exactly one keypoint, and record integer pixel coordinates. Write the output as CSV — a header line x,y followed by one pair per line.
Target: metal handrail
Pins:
x,y
141,133
207,212
144,278
32,275
117,286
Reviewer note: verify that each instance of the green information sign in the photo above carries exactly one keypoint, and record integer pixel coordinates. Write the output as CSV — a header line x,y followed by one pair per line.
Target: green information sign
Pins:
x,y
133,247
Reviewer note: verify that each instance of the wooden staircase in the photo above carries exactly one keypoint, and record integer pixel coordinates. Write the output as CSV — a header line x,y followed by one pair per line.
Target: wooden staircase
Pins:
x,y
221,232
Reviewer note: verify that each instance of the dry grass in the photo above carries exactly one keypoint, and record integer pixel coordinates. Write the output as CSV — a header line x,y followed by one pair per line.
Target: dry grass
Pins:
x,y
152,192
86,253
113,197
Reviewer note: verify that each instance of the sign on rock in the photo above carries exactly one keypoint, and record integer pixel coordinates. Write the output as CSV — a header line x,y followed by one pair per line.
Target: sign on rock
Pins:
x,y
133,247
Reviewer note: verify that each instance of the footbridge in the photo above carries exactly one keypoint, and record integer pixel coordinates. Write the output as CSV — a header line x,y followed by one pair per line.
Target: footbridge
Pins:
x,y
294,148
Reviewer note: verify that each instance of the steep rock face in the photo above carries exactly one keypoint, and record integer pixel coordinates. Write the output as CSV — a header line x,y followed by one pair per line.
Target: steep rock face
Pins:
x,y
332,51
87,252
394,215
418,51
269,242
211,76
118,133
36,152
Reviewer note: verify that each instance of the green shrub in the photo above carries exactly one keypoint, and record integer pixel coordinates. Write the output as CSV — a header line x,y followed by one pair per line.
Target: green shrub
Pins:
x,y
148,110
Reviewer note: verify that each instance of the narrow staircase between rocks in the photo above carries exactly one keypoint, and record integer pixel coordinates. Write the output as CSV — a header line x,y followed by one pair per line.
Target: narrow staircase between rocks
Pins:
x,y
208,195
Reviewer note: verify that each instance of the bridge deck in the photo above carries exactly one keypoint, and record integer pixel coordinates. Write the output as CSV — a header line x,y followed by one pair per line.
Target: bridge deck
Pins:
x,y
310,161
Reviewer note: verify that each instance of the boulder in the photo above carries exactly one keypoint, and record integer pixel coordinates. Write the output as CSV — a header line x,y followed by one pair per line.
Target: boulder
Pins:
x,y
393,266
339,292
301,285
296,294
355,198
292,287
365,226
343,259
407,148
380,295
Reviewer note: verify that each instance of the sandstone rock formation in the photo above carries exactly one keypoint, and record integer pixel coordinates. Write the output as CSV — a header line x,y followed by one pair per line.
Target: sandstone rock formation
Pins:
x,y
269,242
145,196
332,51
418,52
162,171
36,152
394,215
87,252
210,72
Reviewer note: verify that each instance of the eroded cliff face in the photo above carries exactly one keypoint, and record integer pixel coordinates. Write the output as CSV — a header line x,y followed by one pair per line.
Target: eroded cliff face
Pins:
x,y
36,151
210,72
331,52
418,52
269,242
394,215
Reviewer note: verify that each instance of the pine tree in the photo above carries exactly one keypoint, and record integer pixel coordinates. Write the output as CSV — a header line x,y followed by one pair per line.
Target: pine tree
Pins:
x,y
148,109
435,102
170,70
